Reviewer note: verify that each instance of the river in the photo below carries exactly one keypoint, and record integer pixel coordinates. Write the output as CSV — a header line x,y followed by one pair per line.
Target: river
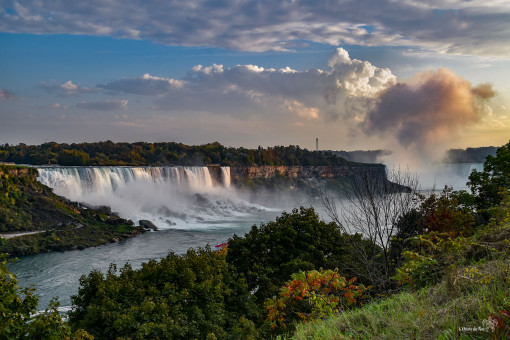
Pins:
x,y
212,219
58,273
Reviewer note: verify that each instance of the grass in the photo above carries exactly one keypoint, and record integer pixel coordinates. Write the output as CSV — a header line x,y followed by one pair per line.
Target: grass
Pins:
x,y
458,302
456,308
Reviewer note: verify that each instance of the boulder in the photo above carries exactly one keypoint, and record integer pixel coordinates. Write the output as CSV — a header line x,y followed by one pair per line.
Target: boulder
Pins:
x,y
147,224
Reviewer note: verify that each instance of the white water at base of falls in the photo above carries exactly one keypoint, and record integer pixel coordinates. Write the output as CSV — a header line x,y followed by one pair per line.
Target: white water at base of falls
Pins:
x,y
170,197
440,175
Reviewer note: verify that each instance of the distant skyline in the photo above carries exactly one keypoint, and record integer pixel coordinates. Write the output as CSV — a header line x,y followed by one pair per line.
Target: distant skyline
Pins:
x,y
419,76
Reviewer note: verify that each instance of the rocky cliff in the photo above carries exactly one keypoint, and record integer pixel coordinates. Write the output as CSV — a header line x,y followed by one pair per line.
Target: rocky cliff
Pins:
x,y
304,172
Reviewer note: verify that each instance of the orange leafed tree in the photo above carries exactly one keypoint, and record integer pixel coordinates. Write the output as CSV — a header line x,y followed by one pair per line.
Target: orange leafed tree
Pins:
x,y
312,295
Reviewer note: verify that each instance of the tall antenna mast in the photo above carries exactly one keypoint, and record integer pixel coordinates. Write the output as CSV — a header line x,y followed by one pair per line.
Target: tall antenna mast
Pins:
x,y
316,144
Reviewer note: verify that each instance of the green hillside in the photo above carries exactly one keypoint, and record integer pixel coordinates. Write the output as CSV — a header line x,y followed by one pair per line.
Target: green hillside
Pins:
x,y
27,206
471,300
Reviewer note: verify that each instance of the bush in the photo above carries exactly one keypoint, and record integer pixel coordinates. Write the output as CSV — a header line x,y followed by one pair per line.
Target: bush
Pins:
x,y
312,295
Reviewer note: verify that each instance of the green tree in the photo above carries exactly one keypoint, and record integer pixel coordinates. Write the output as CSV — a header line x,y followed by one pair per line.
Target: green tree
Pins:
x,y
73,157
180,297
18,307
490,184
268,255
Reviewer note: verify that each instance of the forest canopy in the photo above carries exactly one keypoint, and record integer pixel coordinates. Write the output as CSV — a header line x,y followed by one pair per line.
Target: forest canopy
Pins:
x,y
139,154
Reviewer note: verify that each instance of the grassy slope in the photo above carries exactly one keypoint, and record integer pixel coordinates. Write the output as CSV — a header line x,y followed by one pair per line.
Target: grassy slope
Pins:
x,y
464,298
26,204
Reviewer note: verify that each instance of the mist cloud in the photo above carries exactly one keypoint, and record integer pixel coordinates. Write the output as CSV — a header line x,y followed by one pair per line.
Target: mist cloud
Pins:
x,y
427,110
474,27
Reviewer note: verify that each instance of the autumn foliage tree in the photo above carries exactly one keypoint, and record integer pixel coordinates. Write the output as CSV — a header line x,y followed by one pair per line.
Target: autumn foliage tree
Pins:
x,y
443,213
312,295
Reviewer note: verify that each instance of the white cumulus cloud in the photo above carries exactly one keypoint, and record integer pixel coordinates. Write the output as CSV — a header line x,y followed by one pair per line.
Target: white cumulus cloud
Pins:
x,y
346,87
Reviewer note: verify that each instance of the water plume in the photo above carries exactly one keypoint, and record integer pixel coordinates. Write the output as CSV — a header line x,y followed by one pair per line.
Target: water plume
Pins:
x,y
428,110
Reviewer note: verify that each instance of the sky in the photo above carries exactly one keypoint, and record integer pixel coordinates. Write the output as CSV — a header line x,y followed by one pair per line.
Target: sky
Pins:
x,y
418,76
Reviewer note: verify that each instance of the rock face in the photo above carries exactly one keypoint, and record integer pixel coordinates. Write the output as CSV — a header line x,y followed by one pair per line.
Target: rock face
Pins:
x,y
18,172
266,172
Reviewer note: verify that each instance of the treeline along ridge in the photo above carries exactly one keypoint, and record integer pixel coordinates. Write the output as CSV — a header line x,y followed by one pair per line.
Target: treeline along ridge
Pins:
x,y
160,154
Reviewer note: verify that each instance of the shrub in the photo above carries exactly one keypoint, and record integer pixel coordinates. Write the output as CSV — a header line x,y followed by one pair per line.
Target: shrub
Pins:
x,y
312,295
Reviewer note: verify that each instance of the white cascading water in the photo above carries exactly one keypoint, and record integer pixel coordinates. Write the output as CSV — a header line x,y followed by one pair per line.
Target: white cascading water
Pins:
x,y
225,174
455,175
176,197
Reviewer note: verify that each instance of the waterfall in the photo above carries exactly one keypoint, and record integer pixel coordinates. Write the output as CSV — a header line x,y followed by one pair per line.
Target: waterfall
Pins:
x,y
167,196
76,181
225,175
455,175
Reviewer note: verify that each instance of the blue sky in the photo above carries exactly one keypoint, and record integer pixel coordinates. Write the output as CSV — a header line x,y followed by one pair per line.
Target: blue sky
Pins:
x,y
357,74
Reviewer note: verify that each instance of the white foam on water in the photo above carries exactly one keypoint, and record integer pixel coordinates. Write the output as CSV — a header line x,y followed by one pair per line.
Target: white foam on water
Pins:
x,y
170,197
440,175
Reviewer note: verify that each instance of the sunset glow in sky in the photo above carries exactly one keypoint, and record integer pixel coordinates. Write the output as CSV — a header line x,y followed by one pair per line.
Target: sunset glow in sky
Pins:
x,y
359,74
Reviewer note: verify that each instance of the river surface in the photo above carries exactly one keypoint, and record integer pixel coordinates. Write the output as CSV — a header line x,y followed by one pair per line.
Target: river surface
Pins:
x,y
57,274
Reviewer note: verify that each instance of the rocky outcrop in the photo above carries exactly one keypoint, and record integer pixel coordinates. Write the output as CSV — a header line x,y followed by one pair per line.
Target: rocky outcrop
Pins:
x,y
303,172
147,225
17,171
215,172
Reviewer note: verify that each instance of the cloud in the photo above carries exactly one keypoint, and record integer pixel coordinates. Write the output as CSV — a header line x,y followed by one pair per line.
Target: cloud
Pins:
x,y
104,105
340,91
474,27
484,91
147,85
428,110
65,89
54,106
302,110
6,95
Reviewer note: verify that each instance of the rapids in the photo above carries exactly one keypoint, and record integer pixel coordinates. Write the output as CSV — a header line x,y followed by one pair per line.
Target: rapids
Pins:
x,y
176,197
